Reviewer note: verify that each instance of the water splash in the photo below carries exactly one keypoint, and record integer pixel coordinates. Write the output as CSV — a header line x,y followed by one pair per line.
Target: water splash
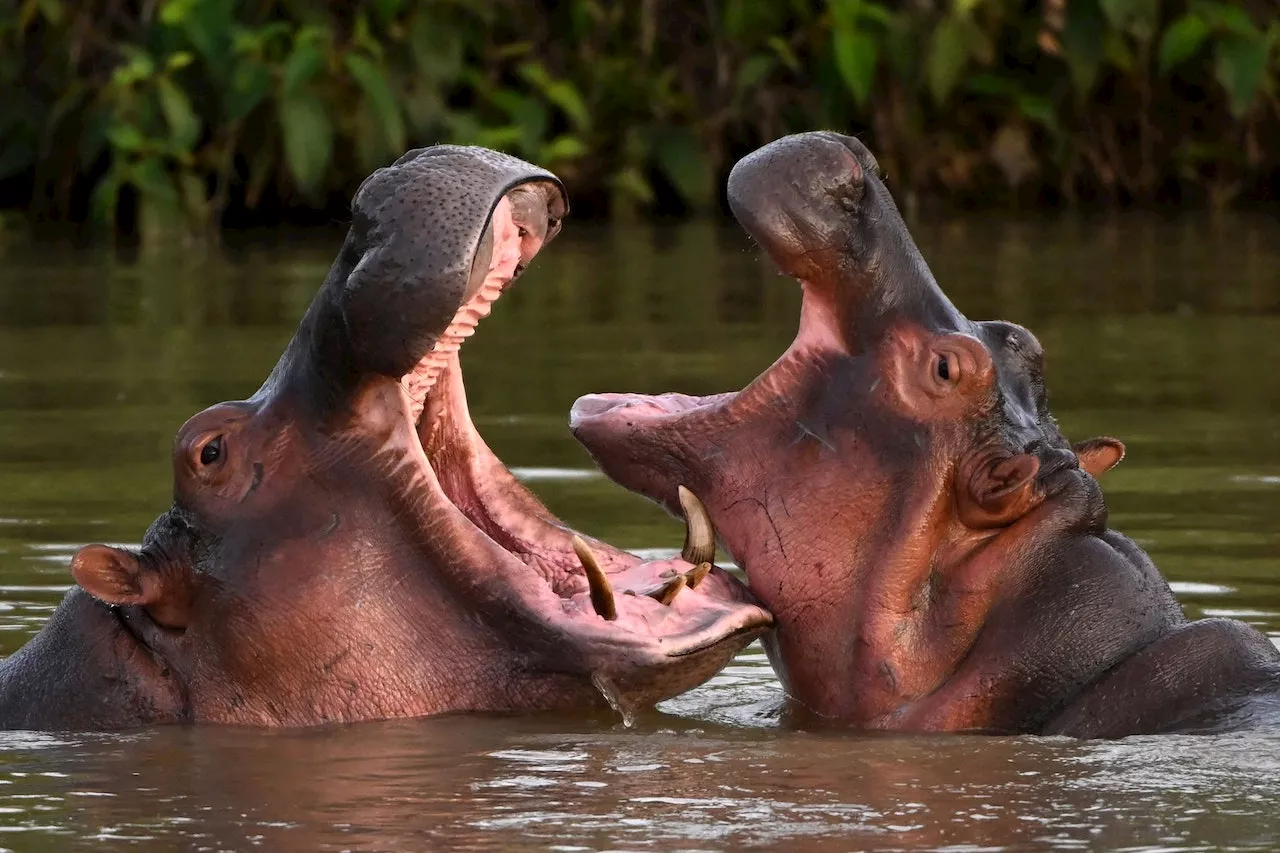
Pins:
x,y
614,697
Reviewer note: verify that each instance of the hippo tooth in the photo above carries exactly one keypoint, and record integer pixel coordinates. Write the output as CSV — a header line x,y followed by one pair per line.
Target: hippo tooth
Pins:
x,y
601,593
699,536
697,573
668,593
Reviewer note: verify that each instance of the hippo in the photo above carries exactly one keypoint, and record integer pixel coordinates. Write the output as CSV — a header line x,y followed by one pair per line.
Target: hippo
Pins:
x,y
935,552
344,546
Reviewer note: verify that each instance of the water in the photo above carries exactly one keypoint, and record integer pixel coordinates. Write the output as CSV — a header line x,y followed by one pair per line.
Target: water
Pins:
x,y
1165,334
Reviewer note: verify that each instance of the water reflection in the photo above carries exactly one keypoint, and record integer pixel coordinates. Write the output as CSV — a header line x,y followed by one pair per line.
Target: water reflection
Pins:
x,y
569,785
1162,333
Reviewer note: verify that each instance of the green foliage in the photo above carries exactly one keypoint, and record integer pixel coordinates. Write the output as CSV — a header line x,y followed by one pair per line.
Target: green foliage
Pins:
x,y
188,106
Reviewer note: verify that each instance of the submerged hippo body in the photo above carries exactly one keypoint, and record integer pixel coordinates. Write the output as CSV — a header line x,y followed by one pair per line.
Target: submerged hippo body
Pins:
x,y
344,546
935,552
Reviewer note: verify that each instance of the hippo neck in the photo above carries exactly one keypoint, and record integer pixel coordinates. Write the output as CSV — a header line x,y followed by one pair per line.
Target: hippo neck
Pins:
x,y
316,369
1054,583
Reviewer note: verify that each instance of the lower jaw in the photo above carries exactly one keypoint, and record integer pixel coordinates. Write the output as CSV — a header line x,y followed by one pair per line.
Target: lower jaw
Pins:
x,y
480,485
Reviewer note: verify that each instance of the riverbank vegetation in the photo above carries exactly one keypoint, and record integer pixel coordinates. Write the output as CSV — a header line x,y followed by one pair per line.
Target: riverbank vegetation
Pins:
x,y
191,115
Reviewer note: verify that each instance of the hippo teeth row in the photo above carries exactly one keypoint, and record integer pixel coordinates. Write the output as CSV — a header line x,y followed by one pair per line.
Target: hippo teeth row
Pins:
x,y
699,548
418,382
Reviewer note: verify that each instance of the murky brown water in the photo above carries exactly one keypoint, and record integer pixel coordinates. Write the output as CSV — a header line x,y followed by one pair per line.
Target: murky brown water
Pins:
x,y
1166,334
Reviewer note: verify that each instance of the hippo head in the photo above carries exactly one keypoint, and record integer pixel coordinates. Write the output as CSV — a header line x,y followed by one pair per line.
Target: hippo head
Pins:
x,y
343,545
866,479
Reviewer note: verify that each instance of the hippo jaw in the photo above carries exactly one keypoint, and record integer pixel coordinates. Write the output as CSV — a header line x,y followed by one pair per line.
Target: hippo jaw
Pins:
x,y
868,480
630,617
344,546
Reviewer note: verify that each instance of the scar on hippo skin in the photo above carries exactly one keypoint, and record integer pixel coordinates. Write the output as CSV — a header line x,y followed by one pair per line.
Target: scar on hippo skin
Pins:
x,y
344,546
969,580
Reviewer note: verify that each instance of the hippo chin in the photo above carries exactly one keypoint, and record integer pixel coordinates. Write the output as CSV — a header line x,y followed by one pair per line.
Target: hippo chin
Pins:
x,y
935,552
344,546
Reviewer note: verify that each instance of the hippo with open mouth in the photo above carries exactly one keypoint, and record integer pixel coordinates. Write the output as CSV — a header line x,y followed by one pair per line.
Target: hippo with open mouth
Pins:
x,y
935,552
344,546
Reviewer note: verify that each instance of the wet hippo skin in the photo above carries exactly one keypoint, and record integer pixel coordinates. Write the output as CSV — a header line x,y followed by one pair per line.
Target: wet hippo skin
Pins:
x,y
935,551
344,546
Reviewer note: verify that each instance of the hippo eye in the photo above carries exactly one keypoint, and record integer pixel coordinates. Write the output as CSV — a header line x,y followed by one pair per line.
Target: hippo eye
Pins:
x,y
522,231
211,452
944,368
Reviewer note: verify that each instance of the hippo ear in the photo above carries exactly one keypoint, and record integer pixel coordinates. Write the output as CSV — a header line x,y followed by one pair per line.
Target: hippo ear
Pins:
x,y
1001,492
1099,455
116,576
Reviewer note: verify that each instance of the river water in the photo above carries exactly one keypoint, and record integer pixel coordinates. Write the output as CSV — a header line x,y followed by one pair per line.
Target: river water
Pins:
x,y
1163,333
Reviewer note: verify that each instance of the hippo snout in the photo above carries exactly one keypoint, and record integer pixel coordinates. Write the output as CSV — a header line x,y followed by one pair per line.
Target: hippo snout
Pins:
x,y
772,192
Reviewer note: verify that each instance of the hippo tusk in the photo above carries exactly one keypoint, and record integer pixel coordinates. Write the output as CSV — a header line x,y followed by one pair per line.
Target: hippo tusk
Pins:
x,y
699,536
668,593
697,573
601,592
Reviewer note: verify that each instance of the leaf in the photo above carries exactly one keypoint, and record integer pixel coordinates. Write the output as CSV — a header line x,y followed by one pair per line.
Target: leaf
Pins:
x,y
561,93
856,56
845,14
250,83
881,14
753,72
303,64
527,114
209,27
785,54
308,138
1181,41
1136,17
1227,16
184,124
948,56
52,10
125,137
1040,110
370,143
992,84
1242,63
387,9
437,52
1082,43
377,89
630,183
140,66
175,12
683,161
563,149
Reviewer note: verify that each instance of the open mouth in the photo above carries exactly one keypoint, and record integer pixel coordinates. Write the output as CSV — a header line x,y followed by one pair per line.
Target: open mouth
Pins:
x,y
661,608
